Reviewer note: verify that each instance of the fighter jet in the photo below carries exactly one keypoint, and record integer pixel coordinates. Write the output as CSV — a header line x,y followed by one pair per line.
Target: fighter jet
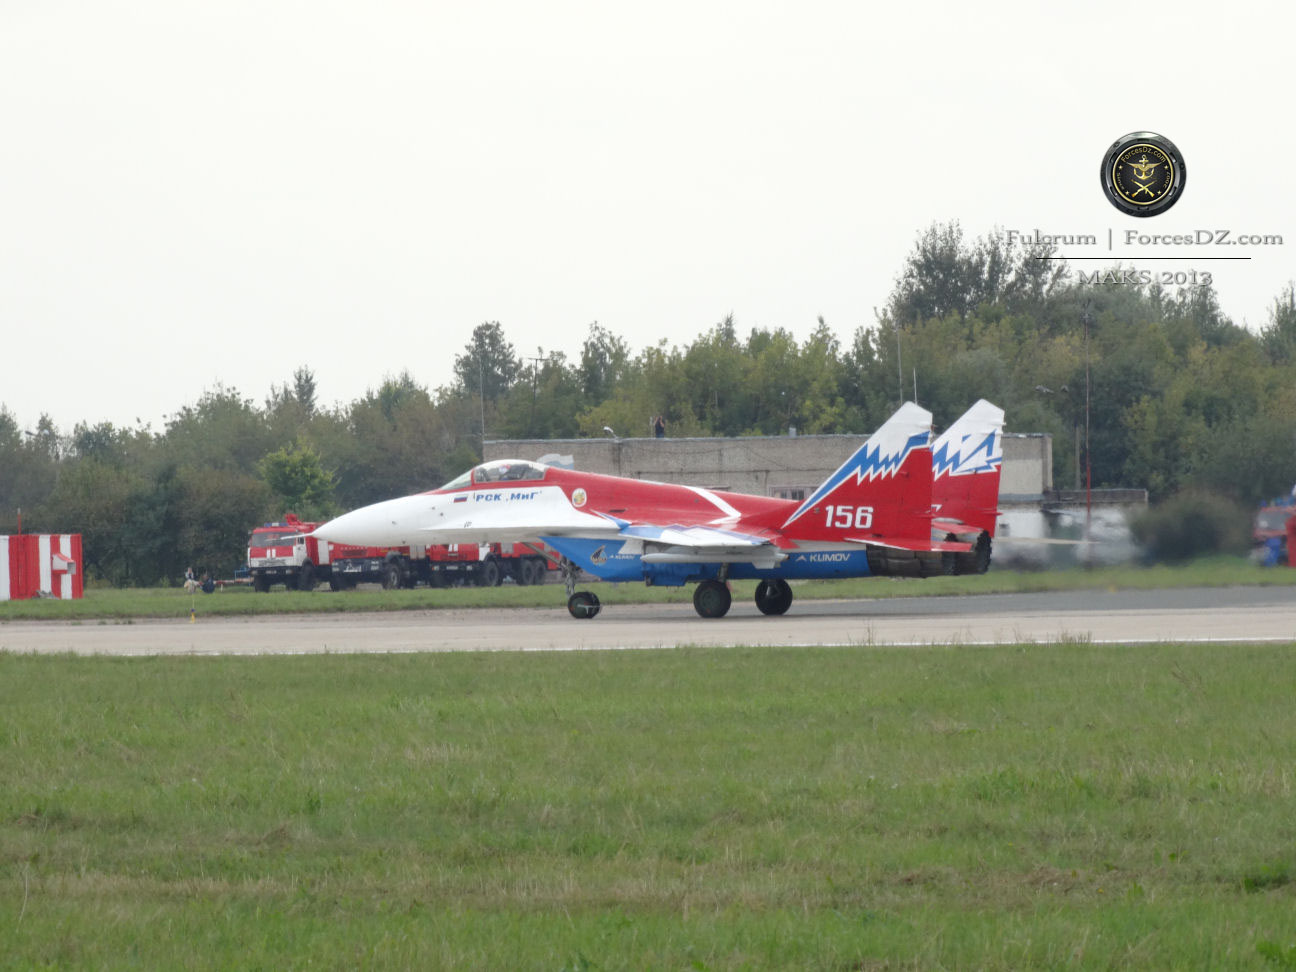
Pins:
x,y
879,514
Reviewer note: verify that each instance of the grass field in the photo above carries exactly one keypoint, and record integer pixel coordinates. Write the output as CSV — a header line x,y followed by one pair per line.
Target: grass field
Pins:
x,y
105,603
1009,807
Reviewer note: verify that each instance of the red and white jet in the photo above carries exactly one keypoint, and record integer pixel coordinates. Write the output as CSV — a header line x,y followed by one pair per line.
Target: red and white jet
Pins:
x,y
899,506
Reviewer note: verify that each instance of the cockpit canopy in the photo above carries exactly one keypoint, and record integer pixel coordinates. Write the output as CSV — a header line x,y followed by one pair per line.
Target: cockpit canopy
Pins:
x,y
499,471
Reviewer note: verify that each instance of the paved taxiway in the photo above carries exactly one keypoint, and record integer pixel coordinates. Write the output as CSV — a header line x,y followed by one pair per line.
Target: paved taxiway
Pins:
x,y
1206,614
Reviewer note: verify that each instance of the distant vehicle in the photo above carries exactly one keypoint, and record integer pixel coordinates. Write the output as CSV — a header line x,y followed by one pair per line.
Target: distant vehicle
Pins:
x,y
285,552
880,514
1269,533
282,553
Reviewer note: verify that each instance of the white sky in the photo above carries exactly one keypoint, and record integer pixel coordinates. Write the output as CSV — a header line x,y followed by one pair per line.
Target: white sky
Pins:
x,y
221,192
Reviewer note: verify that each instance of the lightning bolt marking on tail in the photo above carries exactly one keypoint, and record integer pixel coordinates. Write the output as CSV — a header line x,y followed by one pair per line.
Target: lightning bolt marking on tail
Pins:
x,y
868,463
984,456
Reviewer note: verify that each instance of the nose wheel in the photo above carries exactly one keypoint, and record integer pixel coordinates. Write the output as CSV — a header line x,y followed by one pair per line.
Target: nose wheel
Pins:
x,y
583,605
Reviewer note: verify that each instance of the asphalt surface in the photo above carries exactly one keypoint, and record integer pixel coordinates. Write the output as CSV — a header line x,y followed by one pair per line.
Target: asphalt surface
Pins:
x,y
1199,614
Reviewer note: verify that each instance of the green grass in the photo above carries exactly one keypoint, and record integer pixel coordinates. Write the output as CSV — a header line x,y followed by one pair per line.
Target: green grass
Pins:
x,y
104,603
1087,806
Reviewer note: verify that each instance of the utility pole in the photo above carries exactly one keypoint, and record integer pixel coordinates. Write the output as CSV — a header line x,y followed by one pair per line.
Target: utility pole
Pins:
x,y
899,367
535,376
1088,463
481,397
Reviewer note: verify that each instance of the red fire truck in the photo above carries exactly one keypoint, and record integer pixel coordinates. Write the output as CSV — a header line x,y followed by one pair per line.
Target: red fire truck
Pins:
x,y
283,552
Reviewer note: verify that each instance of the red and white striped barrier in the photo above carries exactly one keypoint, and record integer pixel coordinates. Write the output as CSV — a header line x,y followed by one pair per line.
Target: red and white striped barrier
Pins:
x,y
40,565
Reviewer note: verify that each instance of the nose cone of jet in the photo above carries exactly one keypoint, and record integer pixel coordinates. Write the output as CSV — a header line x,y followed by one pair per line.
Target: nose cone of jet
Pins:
x,y
393,523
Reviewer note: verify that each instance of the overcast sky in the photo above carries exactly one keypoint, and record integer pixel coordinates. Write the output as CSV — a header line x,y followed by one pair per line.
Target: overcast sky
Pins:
x,y
194,194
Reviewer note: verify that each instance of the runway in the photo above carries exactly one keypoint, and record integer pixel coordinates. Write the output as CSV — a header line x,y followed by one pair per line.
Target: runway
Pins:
x,y
1204,614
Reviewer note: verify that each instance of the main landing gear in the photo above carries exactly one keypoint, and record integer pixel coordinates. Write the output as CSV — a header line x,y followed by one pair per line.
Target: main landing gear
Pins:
x,y
712,599
773,596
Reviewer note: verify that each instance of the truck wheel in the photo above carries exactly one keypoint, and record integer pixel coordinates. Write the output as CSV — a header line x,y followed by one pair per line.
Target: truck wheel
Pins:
x,y
489,573
391,576
260,584
535,571
525,573
306,577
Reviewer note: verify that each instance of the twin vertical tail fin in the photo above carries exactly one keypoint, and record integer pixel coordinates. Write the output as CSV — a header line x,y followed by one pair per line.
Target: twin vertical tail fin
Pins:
x,y
966,462
881,495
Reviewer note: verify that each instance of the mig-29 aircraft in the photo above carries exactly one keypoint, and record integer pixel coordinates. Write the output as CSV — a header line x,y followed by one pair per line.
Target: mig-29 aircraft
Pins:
x,y
900,506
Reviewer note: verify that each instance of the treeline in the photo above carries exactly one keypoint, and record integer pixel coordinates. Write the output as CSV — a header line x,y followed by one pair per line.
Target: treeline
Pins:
x,y
1179,398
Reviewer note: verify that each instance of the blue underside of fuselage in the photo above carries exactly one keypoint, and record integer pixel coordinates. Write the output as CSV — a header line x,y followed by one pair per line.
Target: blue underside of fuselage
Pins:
x,y
603,559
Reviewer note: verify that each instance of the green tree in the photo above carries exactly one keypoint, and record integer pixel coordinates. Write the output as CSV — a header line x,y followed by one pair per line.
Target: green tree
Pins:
x,y
713,373
28,473
214,511
605,360
297,477
545,402
396,438
1279,335
944,276
97,499
488,367
223,430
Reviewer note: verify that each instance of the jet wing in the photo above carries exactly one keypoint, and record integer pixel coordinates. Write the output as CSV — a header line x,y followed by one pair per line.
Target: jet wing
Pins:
x,y
699,545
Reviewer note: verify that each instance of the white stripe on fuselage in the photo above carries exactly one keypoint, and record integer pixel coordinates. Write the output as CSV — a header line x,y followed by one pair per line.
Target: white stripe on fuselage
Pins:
x,y
730,514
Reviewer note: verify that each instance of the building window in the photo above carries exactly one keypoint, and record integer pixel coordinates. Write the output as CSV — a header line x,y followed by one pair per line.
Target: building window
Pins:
x,y
789,492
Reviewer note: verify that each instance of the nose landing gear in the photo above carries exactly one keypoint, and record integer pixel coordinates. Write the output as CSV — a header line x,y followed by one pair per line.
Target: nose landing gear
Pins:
x,y
581,605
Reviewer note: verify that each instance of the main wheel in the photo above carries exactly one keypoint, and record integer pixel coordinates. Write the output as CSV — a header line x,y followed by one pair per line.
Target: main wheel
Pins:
x,y
977,560
712,599
583,605
773,596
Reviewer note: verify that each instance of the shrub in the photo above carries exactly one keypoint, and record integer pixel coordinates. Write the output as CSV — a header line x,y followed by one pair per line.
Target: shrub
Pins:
x,y
1191,524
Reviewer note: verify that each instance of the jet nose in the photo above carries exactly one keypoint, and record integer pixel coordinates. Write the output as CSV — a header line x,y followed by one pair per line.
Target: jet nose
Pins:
x,y
387,524
342,529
